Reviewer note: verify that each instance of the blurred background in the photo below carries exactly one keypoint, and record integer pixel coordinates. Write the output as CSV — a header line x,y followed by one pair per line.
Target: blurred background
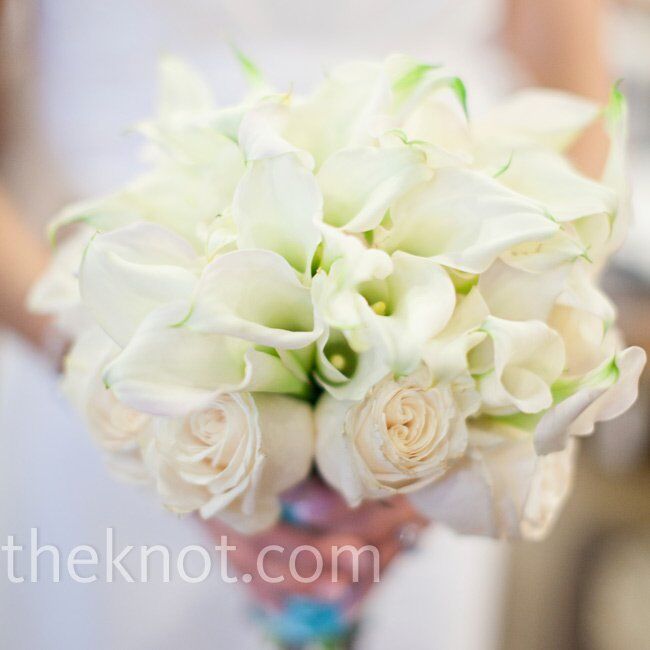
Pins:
x,y
75,74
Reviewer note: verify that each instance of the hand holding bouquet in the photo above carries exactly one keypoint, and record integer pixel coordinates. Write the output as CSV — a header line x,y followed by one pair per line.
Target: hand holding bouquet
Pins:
x,y
362,279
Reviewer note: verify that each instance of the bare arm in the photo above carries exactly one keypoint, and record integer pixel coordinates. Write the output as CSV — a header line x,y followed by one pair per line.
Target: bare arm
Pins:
x,y
22,259
561,45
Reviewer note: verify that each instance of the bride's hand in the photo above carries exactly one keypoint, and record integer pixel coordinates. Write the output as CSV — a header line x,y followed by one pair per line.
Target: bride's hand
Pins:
x,y
386,526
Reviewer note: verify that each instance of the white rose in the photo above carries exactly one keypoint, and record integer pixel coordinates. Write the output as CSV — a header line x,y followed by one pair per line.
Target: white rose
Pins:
x,y
118,429
401,436
234,458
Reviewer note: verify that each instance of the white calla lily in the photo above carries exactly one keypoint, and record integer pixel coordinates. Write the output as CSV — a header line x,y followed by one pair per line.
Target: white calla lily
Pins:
x,y
361,263
398,311
514,294
56,292
202,150
185,199
182,198
339,113
277,206
411,81
261,132
550,118
465,220
408,308
583,317
528,356
336,294
254,295
346,263
616,173
195,177
359,185
446,354
170,370
595,235
549,178
418,92
543,257
128,272
587,339
444,127
220,236
344,373
187,128
603,394
582,293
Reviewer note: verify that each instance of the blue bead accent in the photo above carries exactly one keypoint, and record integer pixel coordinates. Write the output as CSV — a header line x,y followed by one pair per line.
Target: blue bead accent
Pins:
x,y
305,620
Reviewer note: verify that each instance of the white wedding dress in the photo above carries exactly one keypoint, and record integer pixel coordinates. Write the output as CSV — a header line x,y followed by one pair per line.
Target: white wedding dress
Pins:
x,y
96,75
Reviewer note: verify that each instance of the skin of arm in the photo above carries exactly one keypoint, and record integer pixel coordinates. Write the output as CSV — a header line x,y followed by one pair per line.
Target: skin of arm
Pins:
x,y
23,258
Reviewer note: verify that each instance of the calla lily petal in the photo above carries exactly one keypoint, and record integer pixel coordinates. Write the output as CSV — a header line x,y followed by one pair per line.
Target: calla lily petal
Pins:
x,y
446,354
257,296
398,305
547,177
359,185
336,457
420,298
345,264
261,133
528,358
581,293
170,370
277,206
549,117
465,220
339,113
545,256
127,273
606,398
344,373
444,128
518,295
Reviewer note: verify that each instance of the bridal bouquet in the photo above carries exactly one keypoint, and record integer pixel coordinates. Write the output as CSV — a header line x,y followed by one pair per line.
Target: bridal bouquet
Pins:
x,y
363,280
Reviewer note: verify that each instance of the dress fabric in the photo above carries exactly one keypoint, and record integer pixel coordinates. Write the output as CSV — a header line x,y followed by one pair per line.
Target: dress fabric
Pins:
x,y
95,75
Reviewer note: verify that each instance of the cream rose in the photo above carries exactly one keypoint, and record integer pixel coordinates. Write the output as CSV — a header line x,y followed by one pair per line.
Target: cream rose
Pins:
x,y
234,458
404,434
